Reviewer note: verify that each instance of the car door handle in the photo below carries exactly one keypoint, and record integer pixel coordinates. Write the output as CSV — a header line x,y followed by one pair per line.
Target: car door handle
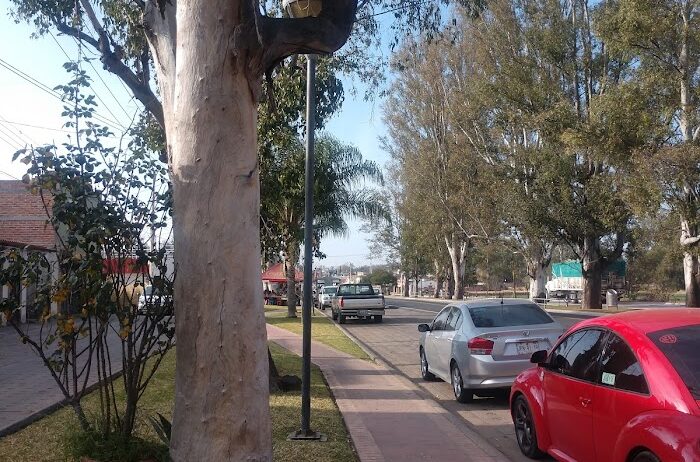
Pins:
x,y
584,401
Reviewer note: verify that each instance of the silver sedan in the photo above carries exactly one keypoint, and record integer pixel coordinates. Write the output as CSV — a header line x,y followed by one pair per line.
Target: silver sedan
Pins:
x,y
484,344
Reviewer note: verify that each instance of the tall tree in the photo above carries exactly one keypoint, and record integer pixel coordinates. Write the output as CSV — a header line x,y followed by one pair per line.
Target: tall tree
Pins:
x,y
210,58
563,140
664,37
448,177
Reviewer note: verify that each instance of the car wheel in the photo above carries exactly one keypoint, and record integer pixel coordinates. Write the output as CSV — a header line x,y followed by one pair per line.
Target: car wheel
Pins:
x,y
377,319
462,395
645,456
341,319
334,315
525,431
323,307
424,371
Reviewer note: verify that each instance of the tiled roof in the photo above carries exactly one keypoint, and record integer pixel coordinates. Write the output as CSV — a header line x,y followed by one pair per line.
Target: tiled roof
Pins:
x,y
23,219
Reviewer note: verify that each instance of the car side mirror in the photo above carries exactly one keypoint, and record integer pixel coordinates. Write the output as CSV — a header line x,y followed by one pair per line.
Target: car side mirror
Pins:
x,y
539,357
423,328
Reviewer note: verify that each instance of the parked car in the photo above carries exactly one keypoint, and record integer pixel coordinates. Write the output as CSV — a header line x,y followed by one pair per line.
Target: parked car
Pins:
x,y
325,296
359,301
152,302
619,388
484,344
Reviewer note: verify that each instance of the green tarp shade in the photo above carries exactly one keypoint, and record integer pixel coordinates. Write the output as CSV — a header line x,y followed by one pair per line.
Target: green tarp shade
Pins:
x,y
572,269
567,269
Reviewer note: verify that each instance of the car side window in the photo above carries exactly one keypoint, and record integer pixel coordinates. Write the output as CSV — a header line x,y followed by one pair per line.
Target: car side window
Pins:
x,y
619,367
454,321
441,320
577,355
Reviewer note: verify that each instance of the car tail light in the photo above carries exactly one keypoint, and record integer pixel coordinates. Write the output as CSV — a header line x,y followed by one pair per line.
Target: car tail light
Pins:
x,y
480,346
342,304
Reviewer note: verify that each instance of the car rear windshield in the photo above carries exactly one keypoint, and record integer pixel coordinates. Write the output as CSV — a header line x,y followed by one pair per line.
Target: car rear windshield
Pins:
x,y
681,346
508,315
356,289
329,290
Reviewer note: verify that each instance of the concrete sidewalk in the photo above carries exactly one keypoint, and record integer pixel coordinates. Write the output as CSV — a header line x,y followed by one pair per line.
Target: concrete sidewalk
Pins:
x,y
389,419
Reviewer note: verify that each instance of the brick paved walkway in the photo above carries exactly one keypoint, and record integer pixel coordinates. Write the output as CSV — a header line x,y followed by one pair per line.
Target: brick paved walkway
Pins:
x,y
388,419
28,389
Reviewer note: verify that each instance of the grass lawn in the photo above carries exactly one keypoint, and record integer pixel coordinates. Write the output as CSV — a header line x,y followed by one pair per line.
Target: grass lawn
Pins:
x,y
322,330
44,440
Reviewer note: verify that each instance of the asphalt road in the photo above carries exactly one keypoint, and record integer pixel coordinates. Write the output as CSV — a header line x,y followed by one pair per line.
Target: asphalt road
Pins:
x,y
395,342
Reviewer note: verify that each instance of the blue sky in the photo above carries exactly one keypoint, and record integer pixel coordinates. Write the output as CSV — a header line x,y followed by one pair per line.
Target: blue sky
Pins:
x,y
31,115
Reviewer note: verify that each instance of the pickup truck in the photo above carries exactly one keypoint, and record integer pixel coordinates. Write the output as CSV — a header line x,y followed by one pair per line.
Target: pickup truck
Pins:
x,y
359,301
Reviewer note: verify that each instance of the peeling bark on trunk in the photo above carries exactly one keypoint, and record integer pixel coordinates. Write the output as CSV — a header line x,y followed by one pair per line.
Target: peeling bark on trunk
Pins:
x,y
290,264
438,278
210,57
404,279
537,273
692,280
592,266
691,264
458,252
221,381
450,284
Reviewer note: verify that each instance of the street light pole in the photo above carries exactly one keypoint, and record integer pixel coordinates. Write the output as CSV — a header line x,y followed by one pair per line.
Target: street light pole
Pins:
x,y
300,9
305,433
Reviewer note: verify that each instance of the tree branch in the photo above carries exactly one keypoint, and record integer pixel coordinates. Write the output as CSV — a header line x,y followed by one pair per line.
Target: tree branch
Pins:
x,y
283,37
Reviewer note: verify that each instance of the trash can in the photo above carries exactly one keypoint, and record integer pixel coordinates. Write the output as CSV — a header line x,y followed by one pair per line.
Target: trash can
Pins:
x,y
611,298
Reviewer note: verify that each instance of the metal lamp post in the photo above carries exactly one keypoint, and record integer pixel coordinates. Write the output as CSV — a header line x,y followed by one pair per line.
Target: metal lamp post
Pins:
x,y
304,9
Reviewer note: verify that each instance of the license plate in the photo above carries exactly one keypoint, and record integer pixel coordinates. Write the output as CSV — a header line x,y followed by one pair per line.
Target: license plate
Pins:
x,y
526,348
363,313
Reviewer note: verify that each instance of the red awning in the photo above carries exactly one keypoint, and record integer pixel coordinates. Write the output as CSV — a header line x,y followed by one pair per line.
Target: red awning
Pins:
x,y
123,266
275,273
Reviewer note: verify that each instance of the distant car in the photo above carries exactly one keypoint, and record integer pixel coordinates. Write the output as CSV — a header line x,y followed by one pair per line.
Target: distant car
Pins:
x,y
619,388
484,344
153,303
325,296
357,301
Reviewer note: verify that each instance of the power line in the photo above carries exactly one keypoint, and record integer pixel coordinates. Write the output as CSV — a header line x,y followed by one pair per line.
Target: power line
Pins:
x,y
8,174
37,126
93,32
15,131
91,89
9,143
11,135
51,92
108,89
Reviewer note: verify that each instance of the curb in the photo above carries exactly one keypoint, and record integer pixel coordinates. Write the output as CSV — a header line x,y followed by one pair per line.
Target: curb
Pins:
x,y
367,350
420,391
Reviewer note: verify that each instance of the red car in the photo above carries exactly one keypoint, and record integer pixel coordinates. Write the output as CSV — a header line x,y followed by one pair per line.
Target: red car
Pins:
x,y
619,388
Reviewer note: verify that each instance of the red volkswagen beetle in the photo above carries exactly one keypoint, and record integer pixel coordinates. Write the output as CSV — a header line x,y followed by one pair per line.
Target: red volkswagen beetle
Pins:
x,y
619,388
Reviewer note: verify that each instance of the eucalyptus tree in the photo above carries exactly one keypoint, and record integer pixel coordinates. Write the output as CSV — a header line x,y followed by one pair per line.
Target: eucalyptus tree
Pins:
x,y
209,59
664,39
558,129
342,181
447,174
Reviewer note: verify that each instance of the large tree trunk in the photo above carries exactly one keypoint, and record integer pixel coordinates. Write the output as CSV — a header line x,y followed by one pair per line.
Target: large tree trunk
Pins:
x,y
458,252
592,267
691,264
405,286
290,264
692,282
450,283
537,272
221,380
438,278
